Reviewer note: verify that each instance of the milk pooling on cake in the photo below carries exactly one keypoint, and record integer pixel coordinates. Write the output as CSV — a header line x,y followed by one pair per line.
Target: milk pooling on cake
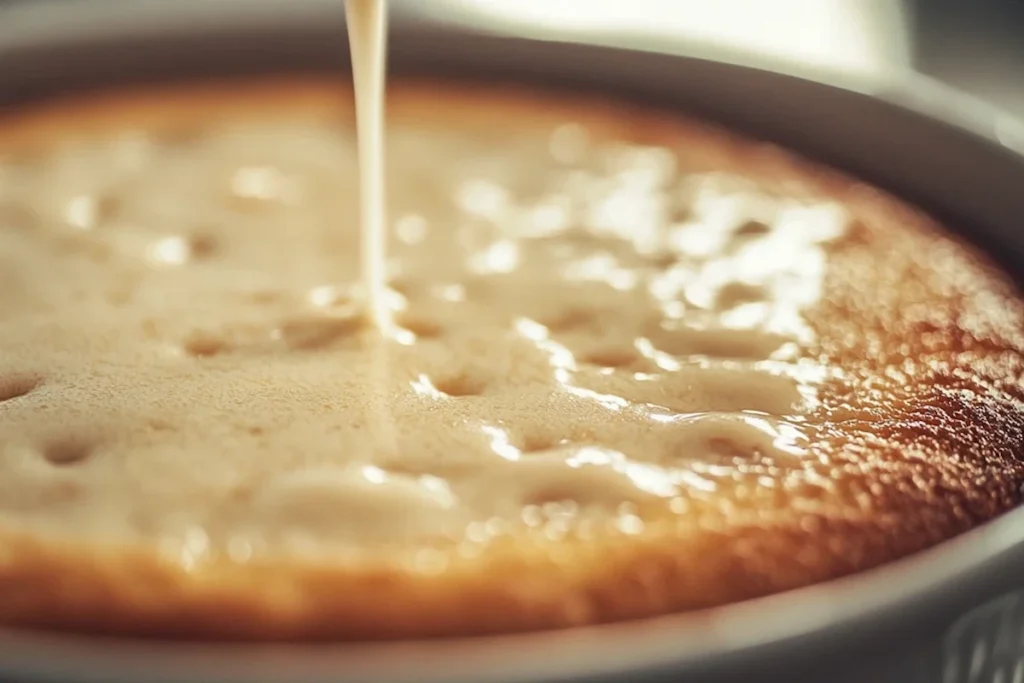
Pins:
x,y
592,330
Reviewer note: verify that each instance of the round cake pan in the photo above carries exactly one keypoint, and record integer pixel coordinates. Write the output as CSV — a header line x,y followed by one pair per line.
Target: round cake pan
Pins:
x,y
953,614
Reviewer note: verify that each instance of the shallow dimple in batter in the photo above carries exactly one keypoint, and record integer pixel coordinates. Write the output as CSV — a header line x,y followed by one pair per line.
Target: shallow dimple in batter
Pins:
x,y
615,327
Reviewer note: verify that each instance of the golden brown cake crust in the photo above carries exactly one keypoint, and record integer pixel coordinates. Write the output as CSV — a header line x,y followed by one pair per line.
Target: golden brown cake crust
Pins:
x,y
920,435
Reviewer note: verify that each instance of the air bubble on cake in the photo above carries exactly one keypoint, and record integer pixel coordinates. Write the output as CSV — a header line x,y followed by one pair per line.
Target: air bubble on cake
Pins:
x,y
424,327
585,476
69,450
751,229
716,341
738,437
360,502
311,333
304,333
17,385
702,387
536,441
744,389
203,244
611,356
468,382
202,344
736,293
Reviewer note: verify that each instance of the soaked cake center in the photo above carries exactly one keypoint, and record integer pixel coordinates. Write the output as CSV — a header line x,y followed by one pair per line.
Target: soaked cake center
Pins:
x,y
586,329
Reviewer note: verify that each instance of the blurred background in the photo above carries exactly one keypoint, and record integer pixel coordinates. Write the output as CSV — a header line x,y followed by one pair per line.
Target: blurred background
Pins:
x,y
974,45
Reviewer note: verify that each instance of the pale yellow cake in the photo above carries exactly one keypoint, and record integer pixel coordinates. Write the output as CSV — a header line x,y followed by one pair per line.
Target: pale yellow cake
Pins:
x,y
645,366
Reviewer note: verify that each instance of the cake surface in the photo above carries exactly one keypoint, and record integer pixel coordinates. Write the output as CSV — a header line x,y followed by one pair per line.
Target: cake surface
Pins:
x,y
645,366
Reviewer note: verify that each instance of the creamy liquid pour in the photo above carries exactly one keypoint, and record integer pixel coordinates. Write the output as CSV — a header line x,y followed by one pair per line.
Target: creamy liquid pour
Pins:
x,y
367,30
